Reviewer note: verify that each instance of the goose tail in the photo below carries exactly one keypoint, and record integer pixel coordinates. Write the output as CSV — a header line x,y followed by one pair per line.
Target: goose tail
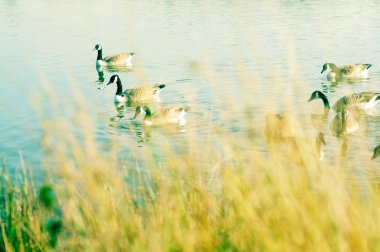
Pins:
x,y
132,53
160,86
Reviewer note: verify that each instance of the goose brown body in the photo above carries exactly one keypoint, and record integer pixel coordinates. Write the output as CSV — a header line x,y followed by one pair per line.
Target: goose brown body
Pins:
x,y
164,115
344,123
113,61
142,93
363,101
352,71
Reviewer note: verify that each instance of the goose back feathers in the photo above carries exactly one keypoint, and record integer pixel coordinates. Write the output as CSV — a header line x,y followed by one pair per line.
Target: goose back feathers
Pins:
x,y
143,93
364,101
117,60
352,71
164,115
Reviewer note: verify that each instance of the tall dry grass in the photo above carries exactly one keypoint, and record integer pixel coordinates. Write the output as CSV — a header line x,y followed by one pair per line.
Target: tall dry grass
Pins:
x,y
221,195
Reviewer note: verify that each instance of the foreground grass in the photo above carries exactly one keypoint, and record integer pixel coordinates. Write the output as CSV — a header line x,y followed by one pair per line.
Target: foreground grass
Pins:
x,y
223,194
205,199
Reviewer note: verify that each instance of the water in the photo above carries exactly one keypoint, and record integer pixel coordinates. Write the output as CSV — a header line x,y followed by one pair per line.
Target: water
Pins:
x,y
210,47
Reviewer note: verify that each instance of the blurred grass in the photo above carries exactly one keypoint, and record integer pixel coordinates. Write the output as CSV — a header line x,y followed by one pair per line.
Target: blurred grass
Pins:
x,y
221,195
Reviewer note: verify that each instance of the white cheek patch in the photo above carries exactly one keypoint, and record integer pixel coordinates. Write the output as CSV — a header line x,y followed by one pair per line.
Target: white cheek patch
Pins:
x,y
115,81
119,99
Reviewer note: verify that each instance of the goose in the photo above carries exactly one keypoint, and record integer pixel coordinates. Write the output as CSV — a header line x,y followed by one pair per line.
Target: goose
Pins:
x,y
364,101
278,131
277,128
143,93
376,152
344,123
118,60
353,71
164,115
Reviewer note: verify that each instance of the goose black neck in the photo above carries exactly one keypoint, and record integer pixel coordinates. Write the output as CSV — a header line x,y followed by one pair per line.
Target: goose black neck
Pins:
x,y
119,90
100,57
326,103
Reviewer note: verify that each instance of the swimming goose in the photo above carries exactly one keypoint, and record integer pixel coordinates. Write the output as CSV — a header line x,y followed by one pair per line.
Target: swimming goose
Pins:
x,y
348,71
376,152
143,93
164,115
344,123
364,101
118,60
279,132
277,128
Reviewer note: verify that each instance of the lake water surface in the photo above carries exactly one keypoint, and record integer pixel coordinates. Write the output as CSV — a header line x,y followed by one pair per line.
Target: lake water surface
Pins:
x,y
204,50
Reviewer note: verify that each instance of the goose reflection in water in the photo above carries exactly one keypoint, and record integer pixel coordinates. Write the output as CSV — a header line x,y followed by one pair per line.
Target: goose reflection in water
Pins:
x,y
143,134
281,139
100,79
100,71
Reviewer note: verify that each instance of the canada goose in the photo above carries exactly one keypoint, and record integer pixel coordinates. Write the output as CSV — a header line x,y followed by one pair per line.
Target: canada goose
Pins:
x,y
277,128
376,152
279,132
348,71
164,115
344,123
364,101
144,93
118,60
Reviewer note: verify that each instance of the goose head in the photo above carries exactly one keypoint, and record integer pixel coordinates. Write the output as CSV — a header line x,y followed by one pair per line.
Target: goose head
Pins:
x,y
376,152
119,96
316,95
97,47
319,95
325,67
141,110
115,79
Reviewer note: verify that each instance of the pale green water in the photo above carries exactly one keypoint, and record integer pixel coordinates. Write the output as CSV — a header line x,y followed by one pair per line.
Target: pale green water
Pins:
x,y
50,43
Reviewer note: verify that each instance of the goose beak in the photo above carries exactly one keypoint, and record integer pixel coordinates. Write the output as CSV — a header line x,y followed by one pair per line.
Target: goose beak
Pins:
x,y
109,83
311,98
322,70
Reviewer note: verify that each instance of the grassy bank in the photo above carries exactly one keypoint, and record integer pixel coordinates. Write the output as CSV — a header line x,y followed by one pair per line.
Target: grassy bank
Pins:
x,y
234,191
201,198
